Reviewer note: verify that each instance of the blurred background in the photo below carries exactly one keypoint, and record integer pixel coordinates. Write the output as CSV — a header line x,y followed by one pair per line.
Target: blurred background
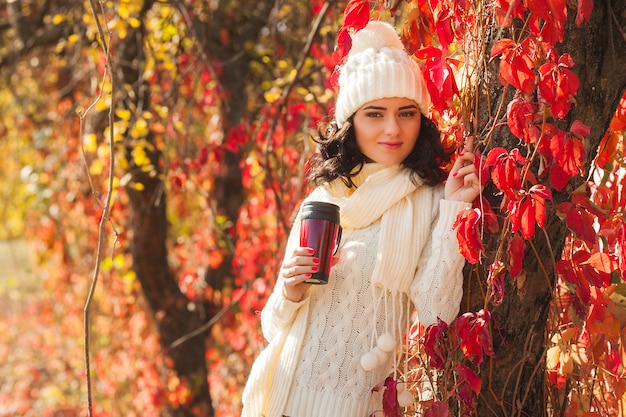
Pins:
x,y
152,155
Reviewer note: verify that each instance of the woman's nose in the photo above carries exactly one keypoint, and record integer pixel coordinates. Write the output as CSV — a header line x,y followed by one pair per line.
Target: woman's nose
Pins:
x,y
392,127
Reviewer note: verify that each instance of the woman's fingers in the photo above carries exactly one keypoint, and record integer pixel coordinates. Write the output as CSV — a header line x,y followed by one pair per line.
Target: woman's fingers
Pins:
x,y
296,269
468,144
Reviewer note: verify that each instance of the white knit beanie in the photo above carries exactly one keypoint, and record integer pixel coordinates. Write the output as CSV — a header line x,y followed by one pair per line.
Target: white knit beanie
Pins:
x,y
378,67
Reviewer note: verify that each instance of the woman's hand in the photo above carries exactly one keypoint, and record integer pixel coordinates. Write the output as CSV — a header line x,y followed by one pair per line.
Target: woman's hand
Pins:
x,y
463,183
295,270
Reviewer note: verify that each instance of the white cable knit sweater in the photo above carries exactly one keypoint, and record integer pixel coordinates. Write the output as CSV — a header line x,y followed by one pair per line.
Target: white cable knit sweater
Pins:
x,y
311,367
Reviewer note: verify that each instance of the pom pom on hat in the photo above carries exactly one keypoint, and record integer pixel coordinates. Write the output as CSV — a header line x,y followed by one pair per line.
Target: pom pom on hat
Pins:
x,y
378,67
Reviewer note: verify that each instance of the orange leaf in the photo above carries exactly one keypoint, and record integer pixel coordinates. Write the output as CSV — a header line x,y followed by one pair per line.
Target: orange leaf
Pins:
x,y
602,262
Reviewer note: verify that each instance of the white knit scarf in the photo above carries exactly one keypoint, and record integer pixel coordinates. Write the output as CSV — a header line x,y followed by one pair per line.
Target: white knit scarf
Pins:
x,y
384,192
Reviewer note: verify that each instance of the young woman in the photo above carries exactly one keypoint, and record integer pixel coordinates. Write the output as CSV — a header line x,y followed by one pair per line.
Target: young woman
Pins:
x,y
331,346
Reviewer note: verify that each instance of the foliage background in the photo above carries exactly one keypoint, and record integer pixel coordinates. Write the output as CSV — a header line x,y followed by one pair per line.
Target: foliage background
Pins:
x,y
179,121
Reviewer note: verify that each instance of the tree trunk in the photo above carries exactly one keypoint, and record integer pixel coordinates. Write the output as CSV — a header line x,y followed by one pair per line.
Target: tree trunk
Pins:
x,y
514,379
242,28
148,237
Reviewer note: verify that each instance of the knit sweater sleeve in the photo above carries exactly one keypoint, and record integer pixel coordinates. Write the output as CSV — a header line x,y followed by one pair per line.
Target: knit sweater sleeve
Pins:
x,y
279,312
438,285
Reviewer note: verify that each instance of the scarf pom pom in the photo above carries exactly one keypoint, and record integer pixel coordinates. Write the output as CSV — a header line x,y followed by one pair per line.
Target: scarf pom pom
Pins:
x,y
382,356
405,398
386,343
369,361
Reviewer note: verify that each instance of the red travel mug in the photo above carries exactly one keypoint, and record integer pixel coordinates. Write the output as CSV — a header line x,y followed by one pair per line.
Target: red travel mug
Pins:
x,y
320,230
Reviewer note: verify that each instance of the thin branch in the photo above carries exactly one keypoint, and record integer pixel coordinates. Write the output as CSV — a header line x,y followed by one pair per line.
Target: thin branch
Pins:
x,y
107,204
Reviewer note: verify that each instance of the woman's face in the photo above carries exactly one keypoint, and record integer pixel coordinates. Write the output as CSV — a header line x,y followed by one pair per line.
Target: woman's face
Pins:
x,y
386,129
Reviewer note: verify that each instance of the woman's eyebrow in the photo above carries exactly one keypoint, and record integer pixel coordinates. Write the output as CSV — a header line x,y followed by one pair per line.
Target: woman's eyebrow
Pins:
x,y
372,107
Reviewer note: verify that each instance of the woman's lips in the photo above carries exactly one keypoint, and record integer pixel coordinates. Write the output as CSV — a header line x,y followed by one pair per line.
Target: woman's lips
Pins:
x,y
391,145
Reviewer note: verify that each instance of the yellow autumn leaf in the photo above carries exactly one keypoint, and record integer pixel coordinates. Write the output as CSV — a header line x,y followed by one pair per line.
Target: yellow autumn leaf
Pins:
x,y
272,95
579,354
90,143
124,11
552,357
122,31
96,167
137,186
51,395
123,114
139,129
567,364
57,19
139,156
568,334
106,264
134,22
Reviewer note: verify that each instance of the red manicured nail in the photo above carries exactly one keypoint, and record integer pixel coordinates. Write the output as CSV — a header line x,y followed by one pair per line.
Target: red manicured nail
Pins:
x,y
316,261
454,175
314,268
311,251
461,154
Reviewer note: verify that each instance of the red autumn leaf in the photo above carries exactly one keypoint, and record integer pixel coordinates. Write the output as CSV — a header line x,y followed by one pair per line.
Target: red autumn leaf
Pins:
x,y
475,336
429,53
530,210
502,46
548,19
438,409
521,116
608,147
600,319
506,170
580,221
558,85
391,408
495,279
613,358
236,339
558,177
444,31
344,44
439,78
468,386
508,9
468,376
489,217
583,11
516,254
556,378
568,151
539,8
516,65
237,136
434,344
580,129
356,14
540,193
467,226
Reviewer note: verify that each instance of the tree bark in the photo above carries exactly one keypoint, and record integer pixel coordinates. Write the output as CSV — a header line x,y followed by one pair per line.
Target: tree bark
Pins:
x,y
242,28
148,237
514,379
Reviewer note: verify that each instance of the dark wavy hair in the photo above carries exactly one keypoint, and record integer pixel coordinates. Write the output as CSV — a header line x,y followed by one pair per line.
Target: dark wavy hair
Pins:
x,y
339,155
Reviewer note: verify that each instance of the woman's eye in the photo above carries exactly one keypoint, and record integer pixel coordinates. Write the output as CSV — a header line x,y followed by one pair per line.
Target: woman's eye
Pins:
x,y
408,114
373,114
